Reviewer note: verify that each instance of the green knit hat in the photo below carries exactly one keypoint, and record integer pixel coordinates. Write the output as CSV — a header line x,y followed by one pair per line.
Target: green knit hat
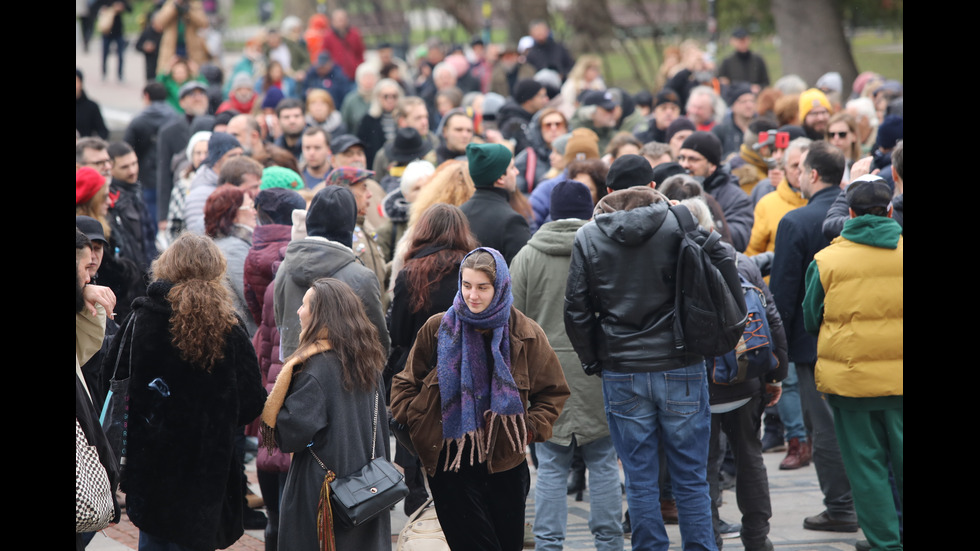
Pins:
x,y
488,162
281,177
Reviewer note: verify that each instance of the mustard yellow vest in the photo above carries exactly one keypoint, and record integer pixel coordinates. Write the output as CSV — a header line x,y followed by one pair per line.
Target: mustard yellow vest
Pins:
x,y
860,346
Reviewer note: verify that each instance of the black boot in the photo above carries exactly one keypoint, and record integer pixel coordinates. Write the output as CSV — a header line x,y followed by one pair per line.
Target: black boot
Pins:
x,y
272,532
269,484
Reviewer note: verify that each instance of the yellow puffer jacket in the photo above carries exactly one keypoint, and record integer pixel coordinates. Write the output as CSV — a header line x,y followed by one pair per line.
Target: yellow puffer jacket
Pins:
x,y
768,212
860,345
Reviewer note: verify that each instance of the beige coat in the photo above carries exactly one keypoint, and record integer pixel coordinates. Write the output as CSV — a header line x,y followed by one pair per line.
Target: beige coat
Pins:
x,y
195,20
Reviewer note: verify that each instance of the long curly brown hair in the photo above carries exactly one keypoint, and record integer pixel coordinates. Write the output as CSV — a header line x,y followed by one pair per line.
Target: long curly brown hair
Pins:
x,y
337,314
440,225
203,312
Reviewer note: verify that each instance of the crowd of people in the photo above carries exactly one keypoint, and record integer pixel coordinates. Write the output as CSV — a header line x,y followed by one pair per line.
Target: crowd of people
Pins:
x,y
481,241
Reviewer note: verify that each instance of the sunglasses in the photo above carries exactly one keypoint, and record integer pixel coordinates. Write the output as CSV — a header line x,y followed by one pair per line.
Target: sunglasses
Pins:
x,y
840,135
558,124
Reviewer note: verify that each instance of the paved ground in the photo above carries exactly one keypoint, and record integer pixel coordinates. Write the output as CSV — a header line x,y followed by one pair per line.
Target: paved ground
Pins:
x,y
795,494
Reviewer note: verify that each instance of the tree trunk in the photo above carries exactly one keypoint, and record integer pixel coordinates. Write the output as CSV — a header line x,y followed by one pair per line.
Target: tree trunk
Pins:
x,y
590,21
812,40
466,14
520,13
300,8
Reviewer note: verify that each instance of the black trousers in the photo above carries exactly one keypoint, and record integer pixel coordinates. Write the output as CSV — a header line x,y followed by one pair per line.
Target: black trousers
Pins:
x,y
741,426
481,511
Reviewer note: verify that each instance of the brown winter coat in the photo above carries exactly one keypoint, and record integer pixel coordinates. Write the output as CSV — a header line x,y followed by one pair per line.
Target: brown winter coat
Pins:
x,y
195,20
416,402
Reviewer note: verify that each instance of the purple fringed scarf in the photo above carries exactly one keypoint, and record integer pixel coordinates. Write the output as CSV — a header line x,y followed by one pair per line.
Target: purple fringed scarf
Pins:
x,y
473,390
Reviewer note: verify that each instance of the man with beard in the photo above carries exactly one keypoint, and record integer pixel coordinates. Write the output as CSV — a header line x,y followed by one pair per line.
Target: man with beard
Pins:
x,y
316,156
815,113
291,122
798,239
701,156
248,132
457,133
133,231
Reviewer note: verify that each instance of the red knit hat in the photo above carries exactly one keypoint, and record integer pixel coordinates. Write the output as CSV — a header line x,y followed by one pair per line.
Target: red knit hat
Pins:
x,y
88,182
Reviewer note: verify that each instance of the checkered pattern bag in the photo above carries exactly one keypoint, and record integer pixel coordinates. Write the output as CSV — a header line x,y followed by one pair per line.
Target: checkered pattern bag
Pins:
x,y
93,495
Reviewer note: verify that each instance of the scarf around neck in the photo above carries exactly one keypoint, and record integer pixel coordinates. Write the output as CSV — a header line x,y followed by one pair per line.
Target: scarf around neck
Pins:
x,y
281,389
475,382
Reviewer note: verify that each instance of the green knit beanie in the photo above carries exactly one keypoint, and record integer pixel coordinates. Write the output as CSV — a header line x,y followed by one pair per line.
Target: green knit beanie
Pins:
x,y
488,162
280,177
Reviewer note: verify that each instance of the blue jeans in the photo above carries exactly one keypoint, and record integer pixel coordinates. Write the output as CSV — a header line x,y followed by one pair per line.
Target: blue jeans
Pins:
x,y
605,497
790,410
667,409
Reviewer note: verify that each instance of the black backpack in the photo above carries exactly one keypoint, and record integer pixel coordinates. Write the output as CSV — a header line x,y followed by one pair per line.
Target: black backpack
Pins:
x,y
709,309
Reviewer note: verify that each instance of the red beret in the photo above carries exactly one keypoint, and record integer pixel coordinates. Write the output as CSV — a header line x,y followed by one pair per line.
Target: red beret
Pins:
x,y
88,182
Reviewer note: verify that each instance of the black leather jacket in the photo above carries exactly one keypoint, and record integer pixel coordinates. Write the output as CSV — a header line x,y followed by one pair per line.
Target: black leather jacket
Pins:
x,y
619,299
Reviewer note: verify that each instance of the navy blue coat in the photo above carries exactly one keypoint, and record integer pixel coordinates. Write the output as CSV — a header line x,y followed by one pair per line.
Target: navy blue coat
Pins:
x,y
799,236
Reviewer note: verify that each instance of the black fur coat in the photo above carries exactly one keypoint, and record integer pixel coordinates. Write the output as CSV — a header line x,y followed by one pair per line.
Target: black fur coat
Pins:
x,y
182,477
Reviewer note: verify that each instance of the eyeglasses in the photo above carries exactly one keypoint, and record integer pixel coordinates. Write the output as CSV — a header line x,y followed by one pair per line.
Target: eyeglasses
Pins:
x,y
840,135
101,162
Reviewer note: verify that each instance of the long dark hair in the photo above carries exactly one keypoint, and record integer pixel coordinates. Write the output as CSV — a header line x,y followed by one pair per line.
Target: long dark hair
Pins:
x,y
441,225
336,314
